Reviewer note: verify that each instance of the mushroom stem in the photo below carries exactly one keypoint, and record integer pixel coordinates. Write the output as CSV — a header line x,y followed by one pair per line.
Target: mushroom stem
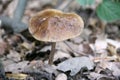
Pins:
x,y
51,56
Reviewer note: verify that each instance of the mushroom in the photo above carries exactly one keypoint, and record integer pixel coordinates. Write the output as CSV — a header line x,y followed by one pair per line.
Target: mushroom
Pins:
x,y
52,25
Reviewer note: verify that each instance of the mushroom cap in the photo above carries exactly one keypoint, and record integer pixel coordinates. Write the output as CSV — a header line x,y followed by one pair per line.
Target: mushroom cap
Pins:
x,y
52,25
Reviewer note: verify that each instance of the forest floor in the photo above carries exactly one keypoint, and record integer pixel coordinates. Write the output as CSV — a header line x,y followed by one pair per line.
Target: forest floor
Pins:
x,y
94,55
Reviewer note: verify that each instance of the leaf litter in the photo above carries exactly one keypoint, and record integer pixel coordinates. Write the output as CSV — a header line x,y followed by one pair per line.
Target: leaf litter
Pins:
x,y
75,64
96,49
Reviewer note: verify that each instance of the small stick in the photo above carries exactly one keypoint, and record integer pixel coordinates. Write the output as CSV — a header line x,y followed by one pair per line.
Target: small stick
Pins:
x,y
51,56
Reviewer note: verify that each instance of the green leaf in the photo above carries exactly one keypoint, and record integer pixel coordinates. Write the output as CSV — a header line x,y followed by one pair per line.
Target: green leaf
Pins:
x,y
85,2
109,10
112,0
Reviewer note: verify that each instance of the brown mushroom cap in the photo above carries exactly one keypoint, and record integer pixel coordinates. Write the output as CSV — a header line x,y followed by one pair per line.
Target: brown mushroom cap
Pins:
x,y
52,25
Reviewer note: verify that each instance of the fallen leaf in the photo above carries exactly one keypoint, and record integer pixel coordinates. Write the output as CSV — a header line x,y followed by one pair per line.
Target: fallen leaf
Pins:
x,y
17,76
116,44
38,65
15,56
97,76
114,67
75,64
113,51
85,48
101,43
28,46
16,67
93,22
50,68
106,58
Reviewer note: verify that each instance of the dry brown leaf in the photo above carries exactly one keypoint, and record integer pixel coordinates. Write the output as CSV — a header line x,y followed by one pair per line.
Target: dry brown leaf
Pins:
x,y
28,46
17,76
107,58
86,48
115,43
113,51
93,22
